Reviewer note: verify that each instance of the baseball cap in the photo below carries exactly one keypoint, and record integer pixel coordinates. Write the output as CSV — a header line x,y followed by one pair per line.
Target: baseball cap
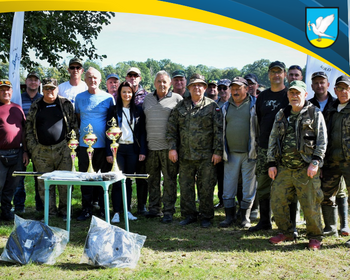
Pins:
x,y
135,70
319,74
112,76
212,82
278,64
239,81
76,60
298,85
225,82
49,82
178,73
33,74
343,79
197,78
251,77
6,83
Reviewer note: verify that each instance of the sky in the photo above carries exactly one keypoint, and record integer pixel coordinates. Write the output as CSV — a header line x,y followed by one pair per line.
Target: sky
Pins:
x,y
139,37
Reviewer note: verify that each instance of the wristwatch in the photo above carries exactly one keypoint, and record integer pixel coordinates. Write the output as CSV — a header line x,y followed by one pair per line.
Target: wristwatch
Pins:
x,y
315,162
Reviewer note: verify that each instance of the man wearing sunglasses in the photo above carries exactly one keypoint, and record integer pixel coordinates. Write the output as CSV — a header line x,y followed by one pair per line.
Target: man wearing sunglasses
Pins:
x,y
337,160
224,91
75,85
294,73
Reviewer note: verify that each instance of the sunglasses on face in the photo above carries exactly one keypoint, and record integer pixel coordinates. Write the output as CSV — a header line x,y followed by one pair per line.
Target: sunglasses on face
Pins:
x,y
222,88
133,75
74,67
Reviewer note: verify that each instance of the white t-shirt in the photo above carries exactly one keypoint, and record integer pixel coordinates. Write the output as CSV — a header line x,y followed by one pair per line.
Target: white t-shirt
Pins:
x,y
70,92
126,131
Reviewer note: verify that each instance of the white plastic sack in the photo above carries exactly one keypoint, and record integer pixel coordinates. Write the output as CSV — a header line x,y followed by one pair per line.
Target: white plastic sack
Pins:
x,y
33,241
110,246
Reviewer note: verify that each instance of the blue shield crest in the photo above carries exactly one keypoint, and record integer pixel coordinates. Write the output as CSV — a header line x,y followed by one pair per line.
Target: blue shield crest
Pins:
x,y
322,26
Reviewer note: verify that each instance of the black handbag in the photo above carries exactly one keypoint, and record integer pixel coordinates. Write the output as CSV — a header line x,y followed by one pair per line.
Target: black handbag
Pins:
x,y
9,160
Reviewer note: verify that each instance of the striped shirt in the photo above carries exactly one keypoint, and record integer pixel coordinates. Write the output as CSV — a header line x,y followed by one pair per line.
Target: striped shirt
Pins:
x,y
157,113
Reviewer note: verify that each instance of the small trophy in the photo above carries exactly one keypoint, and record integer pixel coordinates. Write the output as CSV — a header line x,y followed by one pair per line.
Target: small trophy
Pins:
x,y
73,144
114,133
90,139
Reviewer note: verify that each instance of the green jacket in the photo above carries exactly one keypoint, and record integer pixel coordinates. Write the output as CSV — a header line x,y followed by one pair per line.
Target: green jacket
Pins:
x,y
196,133
68,115
311,134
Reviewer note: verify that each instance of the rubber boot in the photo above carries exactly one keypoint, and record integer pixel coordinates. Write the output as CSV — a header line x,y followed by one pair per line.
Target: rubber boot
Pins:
x,y
342,203
230,217
245,223
265,216
330,220
293,217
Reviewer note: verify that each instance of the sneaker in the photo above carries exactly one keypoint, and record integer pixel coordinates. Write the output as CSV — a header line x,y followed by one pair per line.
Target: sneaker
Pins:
x,y
131,217
314,244
116,218
280,238
84,216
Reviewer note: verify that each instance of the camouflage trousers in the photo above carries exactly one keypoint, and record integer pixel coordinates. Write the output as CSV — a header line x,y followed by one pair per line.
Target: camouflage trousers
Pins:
x,y
205,172
262,177
47,159
332,181
158,162
291,182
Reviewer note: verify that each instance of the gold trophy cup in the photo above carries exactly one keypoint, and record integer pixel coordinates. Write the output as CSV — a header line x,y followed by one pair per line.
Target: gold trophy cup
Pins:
x,y
114,133
89,139
73,144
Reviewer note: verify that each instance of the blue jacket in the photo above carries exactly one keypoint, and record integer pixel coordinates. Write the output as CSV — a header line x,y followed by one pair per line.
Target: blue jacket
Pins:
x,y
139,129
253,126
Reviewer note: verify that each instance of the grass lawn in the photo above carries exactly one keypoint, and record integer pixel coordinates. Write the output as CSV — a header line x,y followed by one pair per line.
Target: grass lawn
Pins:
x,y
175,252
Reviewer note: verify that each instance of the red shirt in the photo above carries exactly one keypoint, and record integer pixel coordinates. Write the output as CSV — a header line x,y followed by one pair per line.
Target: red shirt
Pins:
x,y
12,121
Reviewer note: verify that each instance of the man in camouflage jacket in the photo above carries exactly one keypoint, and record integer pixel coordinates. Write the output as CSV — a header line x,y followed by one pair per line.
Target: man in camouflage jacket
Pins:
x,y
298,140
194,135
49,121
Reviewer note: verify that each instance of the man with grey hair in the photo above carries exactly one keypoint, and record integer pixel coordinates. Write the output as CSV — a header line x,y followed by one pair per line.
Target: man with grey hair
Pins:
x,y
91,107
157,107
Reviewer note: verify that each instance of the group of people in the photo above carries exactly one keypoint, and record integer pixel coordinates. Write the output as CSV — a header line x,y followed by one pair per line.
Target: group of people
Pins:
x,y
263,146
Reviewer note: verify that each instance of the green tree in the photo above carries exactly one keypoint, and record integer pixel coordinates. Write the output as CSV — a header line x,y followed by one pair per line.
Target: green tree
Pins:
x,y
230,73
50,33
260,68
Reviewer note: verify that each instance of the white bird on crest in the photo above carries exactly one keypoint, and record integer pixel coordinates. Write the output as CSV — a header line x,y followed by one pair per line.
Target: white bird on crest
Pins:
x,y
321,26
